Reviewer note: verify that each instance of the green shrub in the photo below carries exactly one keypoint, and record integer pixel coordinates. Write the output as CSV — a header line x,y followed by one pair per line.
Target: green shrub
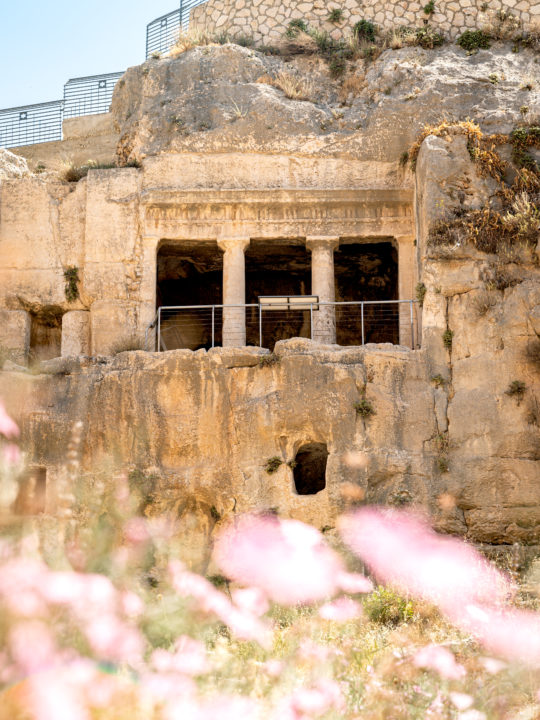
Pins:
x,y
364,408
516,389
273,464
442,463
421,291
385,607
474,40
71,289
429,9
335,15
365,30
428,38
448,336
295,27
438,380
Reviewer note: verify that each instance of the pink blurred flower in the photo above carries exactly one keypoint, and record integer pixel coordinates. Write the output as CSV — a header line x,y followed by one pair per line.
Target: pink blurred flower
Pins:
x,y
112,639
12,454
132,605
252,600
440,659
403,550
32,647
354,583
188,658
8,428
461,700
136,531
53,696
244,624
514,634
286,559
341,610
317,700
274,668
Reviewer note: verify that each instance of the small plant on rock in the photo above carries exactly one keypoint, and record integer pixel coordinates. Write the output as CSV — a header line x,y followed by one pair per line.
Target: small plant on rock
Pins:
x,y
295,27
474,40
429,9
516,389
273,464
71,289
335,15
269,360
448,336
442,464
365,30
364,408
484,302
421,291
428,38
438,380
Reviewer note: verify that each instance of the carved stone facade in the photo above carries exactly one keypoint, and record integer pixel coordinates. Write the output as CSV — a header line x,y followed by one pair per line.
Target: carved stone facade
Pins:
x,y
112,225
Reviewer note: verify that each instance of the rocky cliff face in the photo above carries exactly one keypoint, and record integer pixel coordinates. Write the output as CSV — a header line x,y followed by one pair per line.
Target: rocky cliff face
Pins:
x,y
218,99
455,425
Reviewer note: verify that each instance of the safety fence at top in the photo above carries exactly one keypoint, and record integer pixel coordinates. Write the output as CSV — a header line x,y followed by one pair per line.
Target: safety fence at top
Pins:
x,y
42,122
163,32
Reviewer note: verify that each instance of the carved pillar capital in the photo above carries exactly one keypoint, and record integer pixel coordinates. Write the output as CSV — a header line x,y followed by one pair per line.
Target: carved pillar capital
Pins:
x,y
322,242
228,244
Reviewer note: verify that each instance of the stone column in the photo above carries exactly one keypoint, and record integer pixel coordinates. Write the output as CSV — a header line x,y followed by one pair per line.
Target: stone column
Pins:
x,y
323,284
76,333
407,289
15,328
234,290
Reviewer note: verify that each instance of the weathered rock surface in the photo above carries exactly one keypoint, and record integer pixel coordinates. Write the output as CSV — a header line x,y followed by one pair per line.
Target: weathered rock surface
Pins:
x,y
210,99
12,166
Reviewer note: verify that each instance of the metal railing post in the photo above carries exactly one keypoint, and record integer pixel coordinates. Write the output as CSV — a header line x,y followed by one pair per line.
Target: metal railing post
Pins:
x,y
412,325
311,320
260,326
362,315
159,331
213,325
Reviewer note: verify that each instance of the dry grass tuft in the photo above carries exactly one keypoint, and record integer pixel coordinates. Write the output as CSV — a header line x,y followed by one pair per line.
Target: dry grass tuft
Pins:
x,y
190,39
295,88
484,302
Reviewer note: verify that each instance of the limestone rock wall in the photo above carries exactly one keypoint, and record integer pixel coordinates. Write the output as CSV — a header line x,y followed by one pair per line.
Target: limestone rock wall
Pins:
x,y
267,20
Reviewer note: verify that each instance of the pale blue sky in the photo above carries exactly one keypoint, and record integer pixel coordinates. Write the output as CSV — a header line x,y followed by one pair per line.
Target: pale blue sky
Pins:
x,y
43,44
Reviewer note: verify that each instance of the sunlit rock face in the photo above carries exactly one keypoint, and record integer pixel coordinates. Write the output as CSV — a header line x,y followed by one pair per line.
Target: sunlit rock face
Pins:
x,y
433,420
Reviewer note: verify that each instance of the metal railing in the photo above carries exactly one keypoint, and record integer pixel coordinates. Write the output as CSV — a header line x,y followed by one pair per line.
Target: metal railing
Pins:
x,y
31,124
89,95
194,327
163,32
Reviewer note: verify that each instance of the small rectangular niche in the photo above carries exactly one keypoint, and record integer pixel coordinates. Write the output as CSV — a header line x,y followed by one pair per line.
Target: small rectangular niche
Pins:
x,y
31,498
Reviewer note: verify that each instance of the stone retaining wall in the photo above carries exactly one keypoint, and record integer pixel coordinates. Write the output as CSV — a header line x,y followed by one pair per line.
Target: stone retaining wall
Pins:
x,y
267,20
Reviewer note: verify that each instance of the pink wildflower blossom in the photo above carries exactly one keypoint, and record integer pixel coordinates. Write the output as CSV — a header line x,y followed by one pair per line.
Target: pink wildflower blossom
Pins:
x,y
440,659
8,428
403,550
286,559
32,647
354,583
188,658
514,634
341,610
244,624
12,454
317,700
251,600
